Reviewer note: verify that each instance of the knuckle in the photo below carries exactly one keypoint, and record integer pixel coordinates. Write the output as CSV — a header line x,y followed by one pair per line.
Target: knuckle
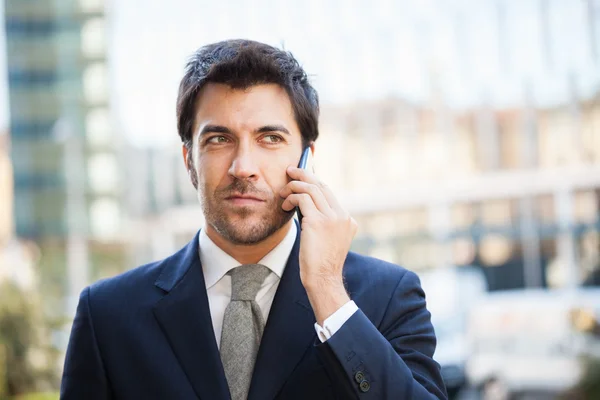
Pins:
x,y
346,217
350,222
306,196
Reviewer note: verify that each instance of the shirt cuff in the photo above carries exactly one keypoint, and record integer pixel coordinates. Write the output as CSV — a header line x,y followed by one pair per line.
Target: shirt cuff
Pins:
x,y
335,321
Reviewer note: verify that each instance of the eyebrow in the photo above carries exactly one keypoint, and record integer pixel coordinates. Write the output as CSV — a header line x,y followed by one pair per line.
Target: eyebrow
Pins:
x,y
273,128
214,129
263,129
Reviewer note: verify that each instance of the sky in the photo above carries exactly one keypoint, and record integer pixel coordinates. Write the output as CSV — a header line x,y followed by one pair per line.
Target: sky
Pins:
x,y
354,50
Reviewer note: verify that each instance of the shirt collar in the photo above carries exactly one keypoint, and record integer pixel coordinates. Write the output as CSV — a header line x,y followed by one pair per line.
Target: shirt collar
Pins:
x,y
216,262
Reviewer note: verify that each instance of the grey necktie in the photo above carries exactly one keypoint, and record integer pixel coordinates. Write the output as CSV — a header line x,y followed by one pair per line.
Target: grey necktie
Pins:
x,y
243,326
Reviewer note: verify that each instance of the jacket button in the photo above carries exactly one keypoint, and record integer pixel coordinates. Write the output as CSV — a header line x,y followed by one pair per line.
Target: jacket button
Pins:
x,y
359,377
365,386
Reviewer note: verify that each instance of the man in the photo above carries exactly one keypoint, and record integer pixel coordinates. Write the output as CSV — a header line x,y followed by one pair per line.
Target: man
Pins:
x,y
255,306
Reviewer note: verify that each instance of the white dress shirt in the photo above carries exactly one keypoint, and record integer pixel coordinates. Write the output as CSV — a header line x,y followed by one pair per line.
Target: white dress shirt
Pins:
x,y
216,264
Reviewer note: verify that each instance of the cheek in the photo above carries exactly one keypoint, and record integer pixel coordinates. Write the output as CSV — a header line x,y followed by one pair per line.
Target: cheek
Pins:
x,y
276,176
212,171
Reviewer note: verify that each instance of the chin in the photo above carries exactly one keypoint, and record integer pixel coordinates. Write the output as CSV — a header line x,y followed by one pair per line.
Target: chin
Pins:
x,y
250,229
248,216
247,235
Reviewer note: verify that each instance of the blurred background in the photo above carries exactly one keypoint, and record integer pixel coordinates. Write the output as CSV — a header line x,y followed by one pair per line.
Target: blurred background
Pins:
x,y
463,136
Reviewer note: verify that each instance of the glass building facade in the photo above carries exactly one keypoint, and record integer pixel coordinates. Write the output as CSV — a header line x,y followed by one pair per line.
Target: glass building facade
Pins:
x,y
66,191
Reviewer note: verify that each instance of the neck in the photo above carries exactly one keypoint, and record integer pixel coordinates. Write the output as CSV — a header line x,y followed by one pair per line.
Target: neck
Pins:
x,y
249,254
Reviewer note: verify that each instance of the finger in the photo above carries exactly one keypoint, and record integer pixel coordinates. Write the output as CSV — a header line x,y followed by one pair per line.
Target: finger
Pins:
x,y
313,190
307,176
302,201
301,174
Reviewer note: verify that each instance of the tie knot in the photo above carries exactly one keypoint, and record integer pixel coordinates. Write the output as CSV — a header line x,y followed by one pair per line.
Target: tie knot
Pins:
x,y
246,280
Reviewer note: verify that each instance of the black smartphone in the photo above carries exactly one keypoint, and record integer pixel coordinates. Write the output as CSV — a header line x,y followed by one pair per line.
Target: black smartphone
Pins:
x,y
303,164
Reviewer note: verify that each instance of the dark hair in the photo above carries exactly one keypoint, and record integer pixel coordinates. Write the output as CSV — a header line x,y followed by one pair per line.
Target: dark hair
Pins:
x,y
241,64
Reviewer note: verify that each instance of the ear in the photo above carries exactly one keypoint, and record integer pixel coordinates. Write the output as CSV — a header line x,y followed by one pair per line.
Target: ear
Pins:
x,y
185,154
189,166
312,157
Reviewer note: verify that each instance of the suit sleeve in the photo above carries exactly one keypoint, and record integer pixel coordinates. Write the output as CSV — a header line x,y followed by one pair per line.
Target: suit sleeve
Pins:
x,y
392,362
84,376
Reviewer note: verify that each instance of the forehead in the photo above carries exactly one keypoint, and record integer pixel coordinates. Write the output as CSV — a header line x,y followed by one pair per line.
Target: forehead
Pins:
x,y
241,109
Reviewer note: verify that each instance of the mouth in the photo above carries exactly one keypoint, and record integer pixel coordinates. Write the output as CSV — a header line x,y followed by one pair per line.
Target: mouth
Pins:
x,y
243,200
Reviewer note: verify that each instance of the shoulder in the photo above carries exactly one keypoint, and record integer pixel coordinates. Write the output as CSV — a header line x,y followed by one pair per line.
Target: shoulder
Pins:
x,y
373,283
128,280
372,270
130,289
382,289
150,279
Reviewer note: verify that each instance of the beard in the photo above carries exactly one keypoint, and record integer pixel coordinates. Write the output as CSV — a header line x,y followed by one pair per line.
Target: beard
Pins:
x,y
236,225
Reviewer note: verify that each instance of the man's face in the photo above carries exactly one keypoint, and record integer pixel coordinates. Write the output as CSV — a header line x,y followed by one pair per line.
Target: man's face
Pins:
x,y
243,142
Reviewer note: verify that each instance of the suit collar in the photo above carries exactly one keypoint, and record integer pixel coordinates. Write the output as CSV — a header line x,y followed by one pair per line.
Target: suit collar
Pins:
x,y
184,316
177,265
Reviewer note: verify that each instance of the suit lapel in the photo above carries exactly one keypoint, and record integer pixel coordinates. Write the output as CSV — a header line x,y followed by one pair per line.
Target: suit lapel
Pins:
x,y
184,316
288,333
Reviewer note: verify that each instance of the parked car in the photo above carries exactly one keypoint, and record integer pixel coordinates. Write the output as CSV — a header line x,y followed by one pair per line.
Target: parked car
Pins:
x,y
531,340
451,292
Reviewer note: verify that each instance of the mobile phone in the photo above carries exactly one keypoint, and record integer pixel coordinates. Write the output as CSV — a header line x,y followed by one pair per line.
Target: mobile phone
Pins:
x,y
303,164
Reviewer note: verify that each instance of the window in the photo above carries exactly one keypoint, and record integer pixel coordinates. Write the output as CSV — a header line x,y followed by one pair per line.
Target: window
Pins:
x,y
91,6
585,207
511,141
589,258
95,83
495,250
23,212
93,38
49,210
497,213
6,198
103,172
105,218
98,128
462,216
31,105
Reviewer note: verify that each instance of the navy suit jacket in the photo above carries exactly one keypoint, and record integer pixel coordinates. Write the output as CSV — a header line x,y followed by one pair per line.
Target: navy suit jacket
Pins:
x,y
147,334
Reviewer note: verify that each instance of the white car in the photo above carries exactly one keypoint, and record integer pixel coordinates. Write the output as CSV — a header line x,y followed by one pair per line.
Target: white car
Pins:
x,y
451,292
531,340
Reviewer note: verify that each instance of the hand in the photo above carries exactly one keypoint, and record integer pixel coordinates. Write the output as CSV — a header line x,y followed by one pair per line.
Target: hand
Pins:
x,y
327,232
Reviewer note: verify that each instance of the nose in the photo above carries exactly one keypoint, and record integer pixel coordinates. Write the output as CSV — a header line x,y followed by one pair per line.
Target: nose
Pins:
x,y
243,165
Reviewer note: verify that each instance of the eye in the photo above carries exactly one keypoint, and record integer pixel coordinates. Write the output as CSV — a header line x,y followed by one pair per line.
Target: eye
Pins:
x,y
216,140
272,138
